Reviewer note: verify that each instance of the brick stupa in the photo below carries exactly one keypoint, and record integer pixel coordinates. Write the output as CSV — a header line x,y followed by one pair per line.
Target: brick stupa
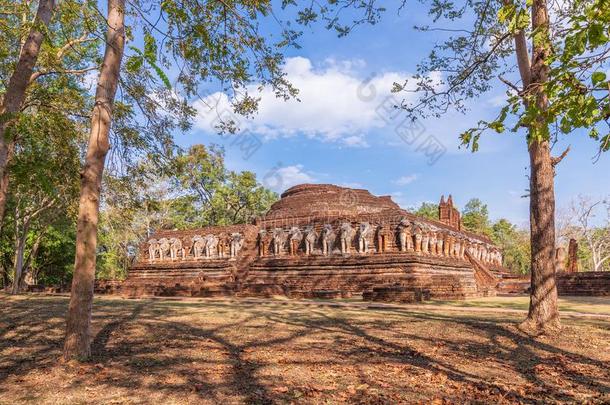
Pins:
x,y
322,241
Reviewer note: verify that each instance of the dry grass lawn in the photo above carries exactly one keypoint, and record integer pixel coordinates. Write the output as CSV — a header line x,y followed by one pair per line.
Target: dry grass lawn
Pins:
x,y
274,351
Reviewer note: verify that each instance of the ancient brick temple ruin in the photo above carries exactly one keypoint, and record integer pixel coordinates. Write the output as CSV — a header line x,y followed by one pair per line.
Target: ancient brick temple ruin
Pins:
x,y
322,241
571,281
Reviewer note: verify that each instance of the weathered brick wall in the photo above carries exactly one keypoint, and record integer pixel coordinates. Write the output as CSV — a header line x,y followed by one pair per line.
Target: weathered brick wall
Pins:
x,y
586,283
442,277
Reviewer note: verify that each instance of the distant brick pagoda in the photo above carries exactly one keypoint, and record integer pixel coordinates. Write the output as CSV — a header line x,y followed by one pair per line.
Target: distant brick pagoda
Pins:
x,y
448,214
322,241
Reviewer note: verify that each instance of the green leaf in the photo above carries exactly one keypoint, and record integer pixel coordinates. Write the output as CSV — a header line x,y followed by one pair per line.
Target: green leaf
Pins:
x,y
598,77
134,64
505,13
596,35
152,62
594,134
162,75
497,126
150,48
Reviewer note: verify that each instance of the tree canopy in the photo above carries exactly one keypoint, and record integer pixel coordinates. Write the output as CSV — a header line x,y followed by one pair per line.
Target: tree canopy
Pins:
x,y
427,210
193,190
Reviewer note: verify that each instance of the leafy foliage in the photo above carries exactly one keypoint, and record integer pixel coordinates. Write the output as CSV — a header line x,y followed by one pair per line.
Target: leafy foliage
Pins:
x,y
513,241
478,53
515,246
427,210
475,217
222,196
193,190
43,194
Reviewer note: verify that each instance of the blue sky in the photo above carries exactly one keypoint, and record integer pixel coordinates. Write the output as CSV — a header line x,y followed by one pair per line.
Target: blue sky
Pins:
x,y
339,132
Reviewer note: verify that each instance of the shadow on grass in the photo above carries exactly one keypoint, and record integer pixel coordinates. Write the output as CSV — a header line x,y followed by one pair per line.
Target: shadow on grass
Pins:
x,y
219,350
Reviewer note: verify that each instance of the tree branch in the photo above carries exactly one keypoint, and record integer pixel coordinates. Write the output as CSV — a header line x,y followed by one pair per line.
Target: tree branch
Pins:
x,y
38,74
510,84
523,59
556,160
70,44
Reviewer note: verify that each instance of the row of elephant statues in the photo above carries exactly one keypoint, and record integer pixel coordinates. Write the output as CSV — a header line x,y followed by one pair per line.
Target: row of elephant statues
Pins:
x,y
208,246
407,236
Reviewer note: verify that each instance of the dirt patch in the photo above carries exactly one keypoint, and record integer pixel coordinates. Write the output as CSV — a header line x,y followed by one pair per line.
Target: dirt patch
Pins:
x,y
153,351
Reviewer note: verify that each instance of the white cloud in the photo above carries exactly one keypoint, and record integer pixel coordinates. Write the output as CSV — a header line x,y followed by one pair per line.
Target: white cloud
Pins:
x,y
336,104
281,178
404,180
355,141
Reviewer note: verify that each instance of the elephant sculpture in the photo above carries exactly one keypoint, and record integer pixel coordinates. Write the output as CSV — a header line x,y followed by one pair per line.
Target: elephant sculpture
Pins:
x,y
278,240
432,242
364,230
211,244
164,248
176,249
404,235
425,240
295,236
153,248
310,239
235,244
198,246
346,236
440,240
263,242
417,236
328,239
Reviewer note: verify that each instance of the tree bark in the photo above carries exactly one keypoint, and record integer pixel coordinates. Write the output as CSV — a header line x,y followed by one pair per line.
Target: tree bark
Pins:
x,y
77,344
5,180
27,263
19,254
523,60
16,89
543,311
5,278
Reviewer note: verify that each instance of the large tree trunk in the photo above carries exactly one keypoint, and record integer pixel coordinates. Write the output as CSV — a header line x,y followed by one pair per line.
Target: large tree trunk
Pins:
x,y
543,311
18,266
15,91
78,339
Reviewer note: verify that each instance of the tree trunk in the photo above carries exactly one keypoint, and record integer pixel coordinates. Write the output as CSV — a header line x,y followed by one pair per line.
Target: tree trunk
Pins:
x,y
18,267
543,311
78,338
27,263
4,181
15,91
5,278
